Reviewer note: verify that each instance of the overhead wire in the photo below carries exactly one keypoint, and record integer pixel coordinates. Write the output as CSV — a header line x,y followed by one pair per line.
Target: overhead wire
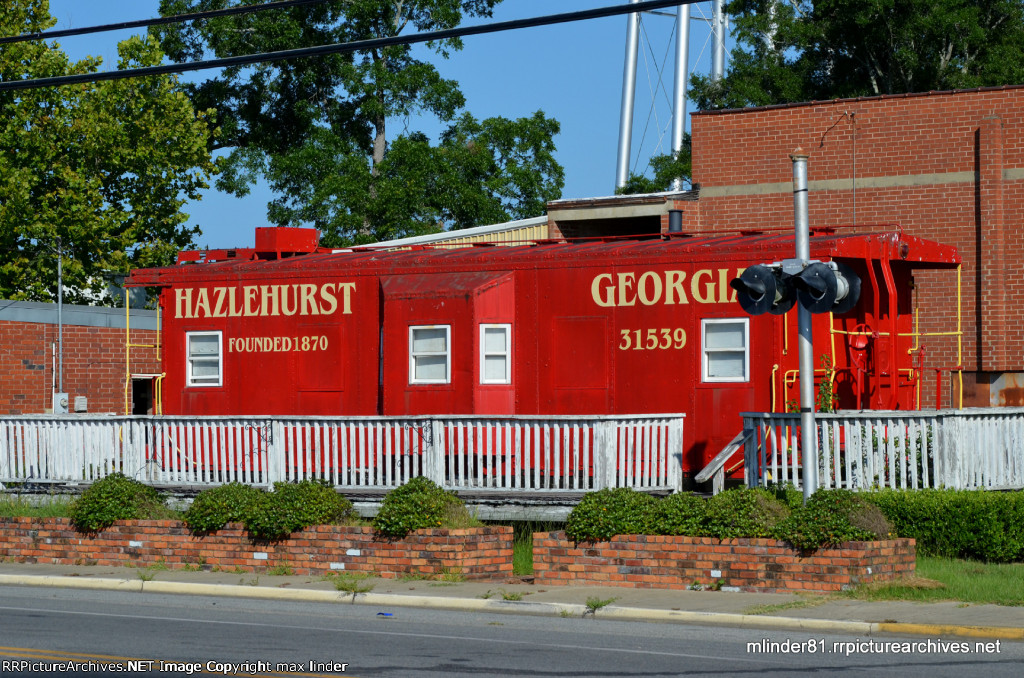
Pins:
x,y
142,23
345,47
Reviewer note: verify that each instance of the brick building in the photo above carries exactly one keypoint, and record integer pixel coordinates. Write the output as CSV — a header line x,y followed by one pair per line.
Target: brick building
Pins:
x,y
947,166
94,358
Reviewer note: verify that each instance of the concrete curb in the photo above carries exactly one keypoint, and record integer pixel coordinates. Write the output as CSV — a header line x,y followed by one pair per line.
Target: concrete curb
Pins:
x,y
71,582
610,612
993,632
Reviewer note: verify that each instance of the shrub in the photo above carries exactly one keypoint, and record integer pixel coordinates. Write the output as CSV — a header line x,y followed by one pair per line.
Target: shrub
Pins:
x,y
832,517
294,506
417,505
788,495
742,513
214,508
603,514
682,513
117,497
974,524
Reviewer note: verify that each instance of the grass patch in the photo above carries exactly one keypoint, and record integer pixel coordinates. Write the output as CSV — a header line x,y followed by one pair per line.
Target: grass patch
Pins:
x,y
280,571
415,576
791,605
452,575
522,542
352,582
594,603
947,579
51,506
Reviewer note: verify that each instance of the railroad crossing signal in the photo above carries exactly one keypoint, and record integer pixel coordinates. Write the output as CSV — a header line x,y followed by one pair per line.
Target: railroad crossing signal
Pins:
x,y
820,287
762,289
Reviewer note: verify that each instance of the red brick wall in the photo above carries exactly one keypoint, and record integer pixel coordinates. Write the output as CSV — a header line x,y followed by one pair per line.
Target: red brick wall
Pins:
x,y
94,365
475,553
947,166
761,565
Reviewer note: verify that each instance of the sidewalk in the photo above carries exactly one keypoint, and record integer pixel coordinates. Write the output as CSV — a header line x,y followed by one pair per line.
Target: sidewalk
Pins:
x,y
755,610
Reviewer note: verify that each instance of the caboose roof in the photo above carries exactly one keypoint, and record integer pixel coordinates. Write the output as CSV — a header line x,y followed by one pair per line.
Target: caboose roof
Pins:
x,y
682,248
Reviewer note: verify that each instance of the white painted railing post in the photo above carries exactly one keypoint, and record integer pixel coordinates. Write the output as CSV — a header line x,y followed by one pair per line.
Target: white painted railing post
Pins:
x,y
434,451
675,447
947,439
276,450
604,453
751,470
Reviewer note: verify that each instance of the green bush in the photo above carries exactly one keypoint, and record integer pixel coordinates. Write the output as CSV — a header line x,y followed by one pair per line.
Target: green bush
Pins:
x,y
214,508
743,513
117,497
417,505
681,514
974,524
294,506
603,514
788,495
832,517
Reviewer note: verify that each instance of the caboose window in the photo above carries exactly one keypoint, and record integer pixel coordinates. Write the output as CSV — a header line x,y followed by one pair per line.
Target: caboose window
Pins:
x,y
429,357
495,349
203,365
726,349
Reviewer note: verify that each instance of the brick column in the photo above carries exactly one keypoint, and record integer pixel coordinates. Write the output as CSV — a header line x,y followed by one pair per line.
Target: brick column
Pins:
x,y
992,259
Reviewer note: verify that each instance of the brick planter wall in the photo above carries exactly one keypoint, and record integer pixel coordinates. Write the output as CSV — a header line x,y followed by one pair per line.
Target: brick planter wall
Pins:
x,y
761,565
474,553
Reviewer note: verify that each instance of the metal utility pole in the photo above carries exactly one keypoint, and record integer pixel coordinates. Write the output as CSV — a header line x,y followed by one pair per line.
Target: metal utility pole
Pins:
x,y
679,91
60,317
808,431
718,32
628,95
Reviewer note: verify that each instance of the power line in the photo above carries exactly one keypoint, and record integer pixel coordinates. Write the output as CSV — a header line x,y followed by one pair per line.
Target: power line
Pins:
x,y
141,23
346,47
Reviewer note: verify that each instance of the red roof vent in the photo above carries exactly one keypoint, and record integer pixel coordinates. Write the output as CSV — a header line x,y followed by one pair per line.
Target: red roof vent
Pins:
x,y
285,240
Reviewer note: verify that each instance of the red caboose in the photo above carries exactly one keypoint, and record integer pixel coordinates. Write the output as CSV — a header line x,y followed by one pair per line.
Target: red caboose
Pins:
x,y
550,328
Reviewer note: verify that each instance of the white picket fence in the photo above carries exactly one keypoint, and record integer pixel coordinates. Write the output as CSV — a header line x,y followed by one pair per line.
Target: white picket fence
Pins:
x,y
513,454
978,448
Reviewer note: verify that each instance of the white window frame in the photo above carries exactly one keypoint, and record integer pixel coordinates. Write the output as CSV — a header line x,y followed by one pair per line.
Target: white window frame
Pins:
x,y
705,351
190,378
506,354
447,353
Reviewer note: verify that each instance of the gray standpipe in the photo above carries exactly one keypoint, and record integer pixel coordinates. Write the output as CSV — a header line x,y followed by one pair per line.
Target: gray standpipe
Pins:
x,y
808,432
628,94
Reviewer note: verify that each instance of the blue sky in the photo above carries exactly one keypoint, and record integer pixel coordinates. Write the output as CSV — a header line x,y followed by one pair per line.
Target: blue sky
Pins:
x,y
573,72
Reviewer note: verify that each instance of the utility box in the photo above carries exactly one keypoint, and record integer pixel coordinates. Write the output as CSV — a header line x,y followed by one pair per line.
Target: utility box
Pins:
x,y
60,403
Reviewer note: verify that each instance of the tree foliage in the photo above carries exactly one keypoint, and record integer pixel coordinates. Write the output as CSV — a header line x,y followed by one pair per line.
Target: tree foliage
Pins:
x,y
805,50
101,169
666,169
319,130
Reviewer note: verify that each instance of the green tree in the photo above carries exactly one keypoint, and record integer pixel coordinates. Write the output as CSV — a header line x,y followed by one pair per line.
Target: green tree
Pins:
x,y
666,169
319,129
803,50
102,169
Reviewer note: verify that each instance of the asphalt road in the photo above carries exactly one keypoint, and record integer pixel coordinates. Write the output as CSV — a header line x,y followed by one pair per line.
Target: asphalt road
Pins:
x,y
184,635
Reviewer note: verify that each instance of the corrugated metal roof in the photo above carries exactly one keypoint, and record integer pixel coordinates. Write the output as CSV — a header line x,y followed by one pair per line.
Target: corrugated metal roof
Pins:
x,y
72,314
757,246
626,199
507,232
